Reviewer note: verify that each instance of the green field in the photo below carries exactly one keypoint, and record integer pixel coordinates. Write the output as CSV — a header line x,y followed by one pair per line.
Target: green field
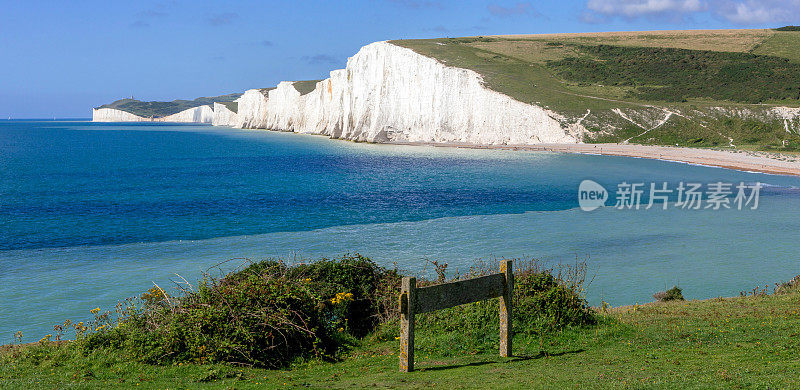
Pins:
x,y
720,85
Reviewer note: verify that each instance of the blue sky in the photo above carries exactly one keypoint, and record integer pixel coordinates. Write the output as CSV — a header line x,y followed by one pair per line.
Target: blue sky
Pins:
x,y
61,58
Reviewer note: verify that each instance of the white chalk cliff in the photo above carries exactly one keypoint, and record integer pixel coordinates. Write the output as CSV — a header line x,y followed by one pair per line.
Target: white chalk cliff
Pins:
x,y
222,115
114,115
201,114
389,93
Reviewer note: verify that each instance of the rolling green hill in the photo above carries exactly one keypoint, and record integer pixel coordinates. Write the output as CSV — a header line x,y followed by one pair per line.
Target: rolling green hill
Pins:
x,y
712,88
161,109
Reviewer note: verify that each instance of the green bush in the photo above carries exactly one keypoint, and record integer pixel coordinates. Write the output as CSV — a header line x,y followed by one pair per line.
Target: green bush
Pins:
x,y
271,314
543,303
266,315
371,290
673,294
261,320
674,75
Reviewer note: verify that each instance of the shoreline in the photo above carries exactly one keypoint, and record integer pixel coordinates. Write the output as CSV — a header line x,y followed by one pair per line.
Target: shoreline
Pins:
x,y
740,160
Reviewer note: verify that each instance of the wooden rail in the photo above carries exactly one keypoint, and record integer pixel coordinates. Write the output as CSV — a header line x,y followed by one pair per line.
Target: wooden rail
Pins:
x,y
415,300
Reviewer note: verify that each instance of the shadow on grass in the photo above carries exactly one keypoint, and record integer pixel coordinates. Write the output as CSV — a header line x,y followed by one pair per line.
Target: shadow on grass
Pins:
x,y
515,358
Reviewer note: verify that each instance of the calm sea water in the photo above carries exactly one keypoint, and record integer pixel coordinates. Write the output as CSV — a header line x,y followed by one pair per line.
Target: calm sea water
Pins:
x,y
92,213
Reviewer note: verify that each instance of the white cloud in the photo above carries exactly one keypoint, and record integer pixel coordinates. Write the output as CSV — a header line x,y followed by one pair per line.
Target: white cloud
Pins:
x,y
761,11
516,9
735,11
635,8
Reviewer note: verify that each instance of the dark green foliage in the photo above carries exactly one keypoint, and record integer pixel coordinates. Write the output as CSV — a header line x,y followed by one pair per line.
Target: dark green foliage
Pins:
x,y
673,294
255,320
266,315
271,314
540,296
788,28
161,109
356,275
675,75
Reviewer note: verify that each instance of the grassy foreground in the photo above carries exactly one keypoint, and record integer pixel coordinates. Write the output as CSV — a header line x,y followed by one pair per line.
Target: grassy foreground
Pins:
x,y
748,342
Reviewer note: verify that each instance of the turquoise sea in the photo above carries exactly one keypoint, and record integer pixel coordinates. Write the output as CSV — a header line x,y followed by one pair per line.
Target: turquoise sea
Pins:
x,y
91,213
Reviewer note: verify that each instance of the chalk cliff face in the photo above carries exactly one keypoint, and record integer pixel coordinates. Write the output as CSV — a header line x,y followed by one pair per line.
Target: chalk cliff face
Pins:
x,y
202,114
388,93
223,116
113,115
392,94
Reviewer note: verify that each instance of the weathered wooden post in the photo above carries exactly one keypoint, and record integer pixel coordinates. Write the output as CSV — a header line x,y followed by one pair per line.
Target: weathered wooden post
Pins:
x,y
506,331
415,300
407,307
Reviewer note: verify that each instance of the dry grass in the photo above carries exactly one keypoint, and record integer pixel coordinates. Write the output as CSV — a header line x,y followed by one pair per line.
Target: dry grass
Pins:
x,y
536,51
714,40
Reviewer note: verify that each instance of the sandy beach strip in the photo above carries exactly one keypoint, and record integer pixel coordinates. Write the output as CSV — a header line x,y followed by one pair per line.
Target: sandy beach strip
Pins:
x,y
773,163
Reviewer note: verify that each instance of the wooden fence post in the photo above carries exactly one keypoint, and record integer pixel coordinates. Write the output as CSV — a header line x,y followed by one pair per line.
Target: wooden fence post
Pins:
x,y
407,306
506,331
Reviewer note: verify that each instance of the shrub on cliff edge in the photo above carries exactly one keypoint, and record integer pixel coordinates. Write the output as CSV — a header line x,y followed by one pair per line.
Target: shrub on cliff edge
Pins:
x,y
266,315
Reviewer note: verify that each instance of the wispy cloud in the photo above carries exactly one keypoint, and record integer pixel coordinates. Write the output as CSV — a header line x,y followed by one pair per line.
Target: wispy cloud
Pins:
x,y
516,9
320,59
151,13
636,8
139,24
736,11
144,18
756,12
222,19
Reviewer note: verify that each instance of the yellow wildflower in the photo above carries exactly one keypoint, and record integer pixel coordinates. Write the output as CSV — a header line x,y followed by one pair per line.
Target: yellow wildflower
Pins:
x,y
95,310
342,297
